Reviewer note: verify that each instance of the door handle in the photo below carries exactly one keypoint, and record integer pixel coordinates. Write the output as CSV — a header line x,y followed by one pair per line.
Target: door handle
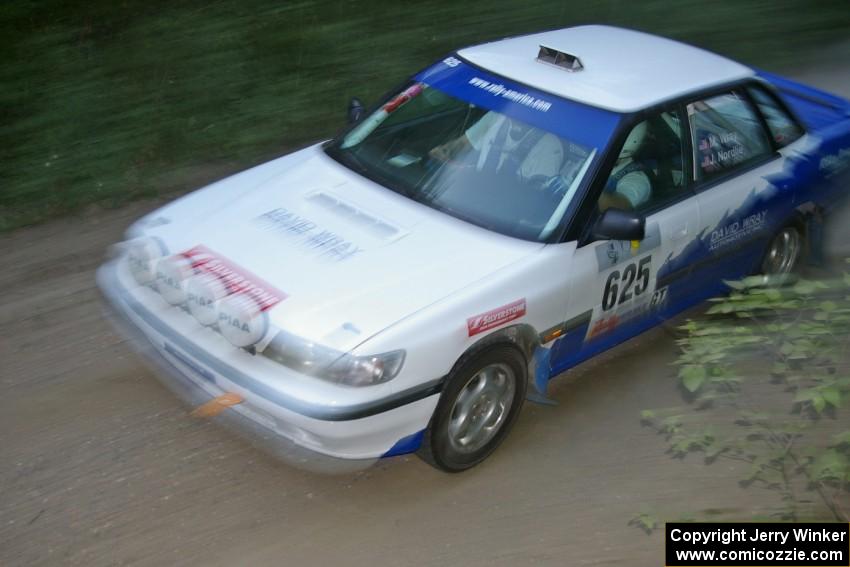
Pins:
x,y
680,232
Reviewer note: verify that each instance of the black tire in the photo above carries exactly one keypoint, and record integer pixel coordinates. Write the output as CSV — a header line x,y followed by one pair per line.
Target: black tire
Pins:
x,y
446,451
784,252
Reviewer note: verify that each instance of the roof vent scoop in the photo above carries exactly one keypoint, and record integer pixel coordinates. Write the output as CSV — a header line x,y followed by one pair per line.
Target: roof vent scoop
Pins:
x,y
559,59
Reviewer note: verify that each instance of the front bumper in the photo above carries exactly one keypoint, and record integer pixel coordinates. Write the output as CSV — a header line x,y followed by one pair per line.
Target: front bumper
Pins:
x,y
291,415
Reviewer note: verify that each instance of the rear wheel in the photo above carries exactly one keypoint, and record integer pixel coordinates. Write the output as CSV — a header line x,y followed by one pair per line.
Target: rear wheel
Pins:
x,y
784,252
480,403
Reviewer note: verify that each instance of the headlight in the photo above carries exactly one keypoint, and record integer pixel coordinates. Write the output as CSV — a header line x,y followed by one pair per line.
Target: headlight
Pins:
x,y
329,364
366,370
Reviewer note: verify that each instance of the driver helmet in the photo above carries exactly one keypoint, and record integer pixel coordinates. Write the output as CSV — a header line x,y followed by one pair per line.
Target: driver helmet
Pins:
x,y
634,141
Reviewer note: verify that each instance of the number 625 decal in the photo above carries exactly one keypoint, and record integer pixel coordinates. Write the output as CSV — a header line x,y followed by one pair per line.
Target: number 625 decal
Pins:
x,y
618,288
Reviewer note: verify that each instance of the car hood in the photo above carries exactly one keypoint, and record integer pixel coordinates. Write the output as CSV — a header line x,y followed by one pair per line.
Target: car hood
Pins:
x,y
348,257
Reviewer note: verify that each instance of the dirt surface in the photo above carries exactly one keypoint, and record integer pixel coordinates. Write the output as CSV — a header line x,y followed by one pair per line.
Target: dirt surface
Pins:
x,y
101,465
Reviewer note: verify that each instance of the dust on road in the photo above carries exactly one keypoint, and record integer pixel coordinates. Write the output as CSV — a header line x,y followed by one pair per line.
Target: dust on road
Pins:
x,y
100,464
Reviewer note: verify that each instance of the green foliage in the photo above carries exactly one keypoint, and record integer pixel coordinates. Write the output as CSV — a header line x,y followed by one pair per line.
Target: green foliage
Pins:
x,y
645,521
101,102
768,366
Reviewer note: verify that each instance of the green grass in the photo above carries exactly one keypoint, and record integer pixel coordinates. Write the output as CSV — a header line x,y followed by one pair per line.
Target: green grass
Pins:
x,y
110,101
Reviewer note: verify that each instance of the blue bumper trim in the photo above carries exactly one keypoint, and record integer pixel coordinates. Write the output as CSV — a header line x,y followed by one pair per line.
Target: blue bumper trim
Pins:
x,y
409,444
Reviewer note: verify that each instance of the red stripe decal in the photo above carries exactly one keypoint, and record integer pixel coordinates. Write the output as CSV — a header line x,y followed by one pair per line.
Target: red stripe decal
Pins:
x,y
235,279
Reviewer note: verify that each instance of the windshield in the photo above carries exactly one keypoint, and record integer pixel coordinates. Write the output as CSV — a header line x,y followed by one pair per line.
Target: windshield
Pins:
x,y
488,166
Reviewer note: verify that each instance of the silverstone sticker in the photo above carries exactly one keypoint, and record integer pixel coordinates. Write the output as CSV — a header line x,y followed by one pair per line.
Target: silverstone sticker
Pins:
x,y
496,317
736,230
236,280
612,252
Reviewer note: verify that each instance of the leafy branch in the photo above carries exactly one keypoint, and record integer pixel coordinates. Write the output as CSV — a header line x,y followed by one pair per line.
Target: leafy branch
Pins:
x,y
769,368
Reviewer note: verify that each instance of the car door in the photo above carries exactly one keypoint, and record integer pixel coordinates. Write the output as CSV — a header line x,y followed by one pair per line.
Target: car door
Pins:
x,y
736,165
620,288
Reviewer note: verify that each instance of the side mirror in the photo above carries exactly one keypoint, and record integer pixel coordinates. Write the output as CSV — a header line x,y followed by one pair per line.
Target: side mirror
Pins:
x,y
355,110
617,224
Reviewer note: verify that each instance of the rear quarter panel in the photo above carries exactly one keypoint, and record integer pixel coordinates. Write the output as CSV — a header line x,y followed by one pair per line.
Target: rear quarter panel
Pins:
x,y
819,168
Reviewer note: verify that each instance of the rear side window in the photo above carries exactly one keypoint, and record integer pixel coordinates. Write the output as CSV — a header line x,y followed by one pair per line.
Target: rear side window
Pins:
x,y
727,134
783,128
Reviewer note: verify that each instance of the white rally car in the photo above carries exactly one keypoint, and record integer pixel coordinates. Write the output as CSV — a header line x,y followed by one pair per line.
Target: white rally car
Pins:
x,y
513,210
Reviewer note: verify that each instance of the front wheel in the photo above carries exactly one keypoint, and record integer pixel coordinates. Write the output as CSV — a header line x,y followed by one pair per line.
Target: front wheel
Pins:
x,y
479,404
783,253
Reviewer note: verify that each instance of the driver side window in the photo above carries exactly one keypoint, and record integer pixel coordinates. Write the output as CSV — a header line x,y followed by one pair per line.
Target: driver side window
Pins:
x,y
649,171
